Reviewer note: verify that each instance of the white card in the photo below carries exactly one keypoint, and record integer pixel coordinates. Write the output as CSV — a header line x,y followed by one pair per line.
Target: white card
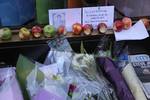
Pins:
x,y
53,69
136,32
65,17
96,15
49,70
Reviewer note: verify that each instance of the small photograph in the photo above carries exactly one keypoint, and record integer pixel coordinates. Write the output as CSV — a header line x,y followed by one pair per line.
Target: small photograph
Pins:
x,y
59,19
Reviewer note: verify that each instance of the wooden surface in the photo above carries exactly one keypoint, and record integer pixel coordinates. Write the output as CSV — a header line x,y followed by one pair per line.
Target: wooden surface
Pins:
x,y
15,37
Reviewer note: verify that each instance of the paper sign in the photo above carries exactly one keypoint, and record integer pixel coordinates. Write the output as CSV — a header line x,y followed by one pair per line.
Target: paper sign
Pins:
x,y
96,15
65,17
136,32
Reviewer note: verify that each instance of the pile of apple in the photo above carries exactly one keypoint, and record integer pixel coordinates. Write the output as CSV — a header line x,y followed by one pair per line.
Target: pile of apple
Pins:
x,y
36,32
49,31
78,28
87,29
26,34
126,23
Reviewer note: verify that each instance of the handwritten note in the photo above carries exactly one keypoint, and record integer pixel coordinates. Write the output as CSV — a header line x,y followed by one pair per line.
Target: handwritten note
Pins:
x,y
65,17
136,32
96,15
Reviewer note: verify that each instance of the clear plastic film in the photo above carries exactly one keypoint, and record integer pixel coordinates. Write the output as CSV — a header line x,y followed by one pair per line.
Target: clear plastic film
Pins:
x,y
74,75
59,57
90,85
9,87
81,76
48,88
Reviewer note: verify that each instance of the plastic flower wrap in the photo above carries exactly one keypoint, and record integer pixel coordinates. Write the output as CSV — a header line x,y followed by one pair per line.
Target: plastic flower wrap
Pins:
x,y
73,76
79,72
55,68
59,57
81,88
60,44
23,69
9,87
61,52
88,83
53,89
84,63
104,48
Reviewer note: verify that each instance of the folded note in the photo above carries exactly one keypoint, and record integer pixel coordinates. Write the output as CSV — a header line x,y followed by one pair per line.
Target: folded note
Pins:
x,y
136,32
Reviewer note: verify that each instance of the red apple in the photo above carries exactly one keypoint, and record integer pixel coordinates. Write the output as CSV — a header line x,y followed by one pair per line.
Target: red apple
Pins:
x,y
118,26
146,22
87,29
102,28
36,31
24,33
127,22
77,28
62,30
